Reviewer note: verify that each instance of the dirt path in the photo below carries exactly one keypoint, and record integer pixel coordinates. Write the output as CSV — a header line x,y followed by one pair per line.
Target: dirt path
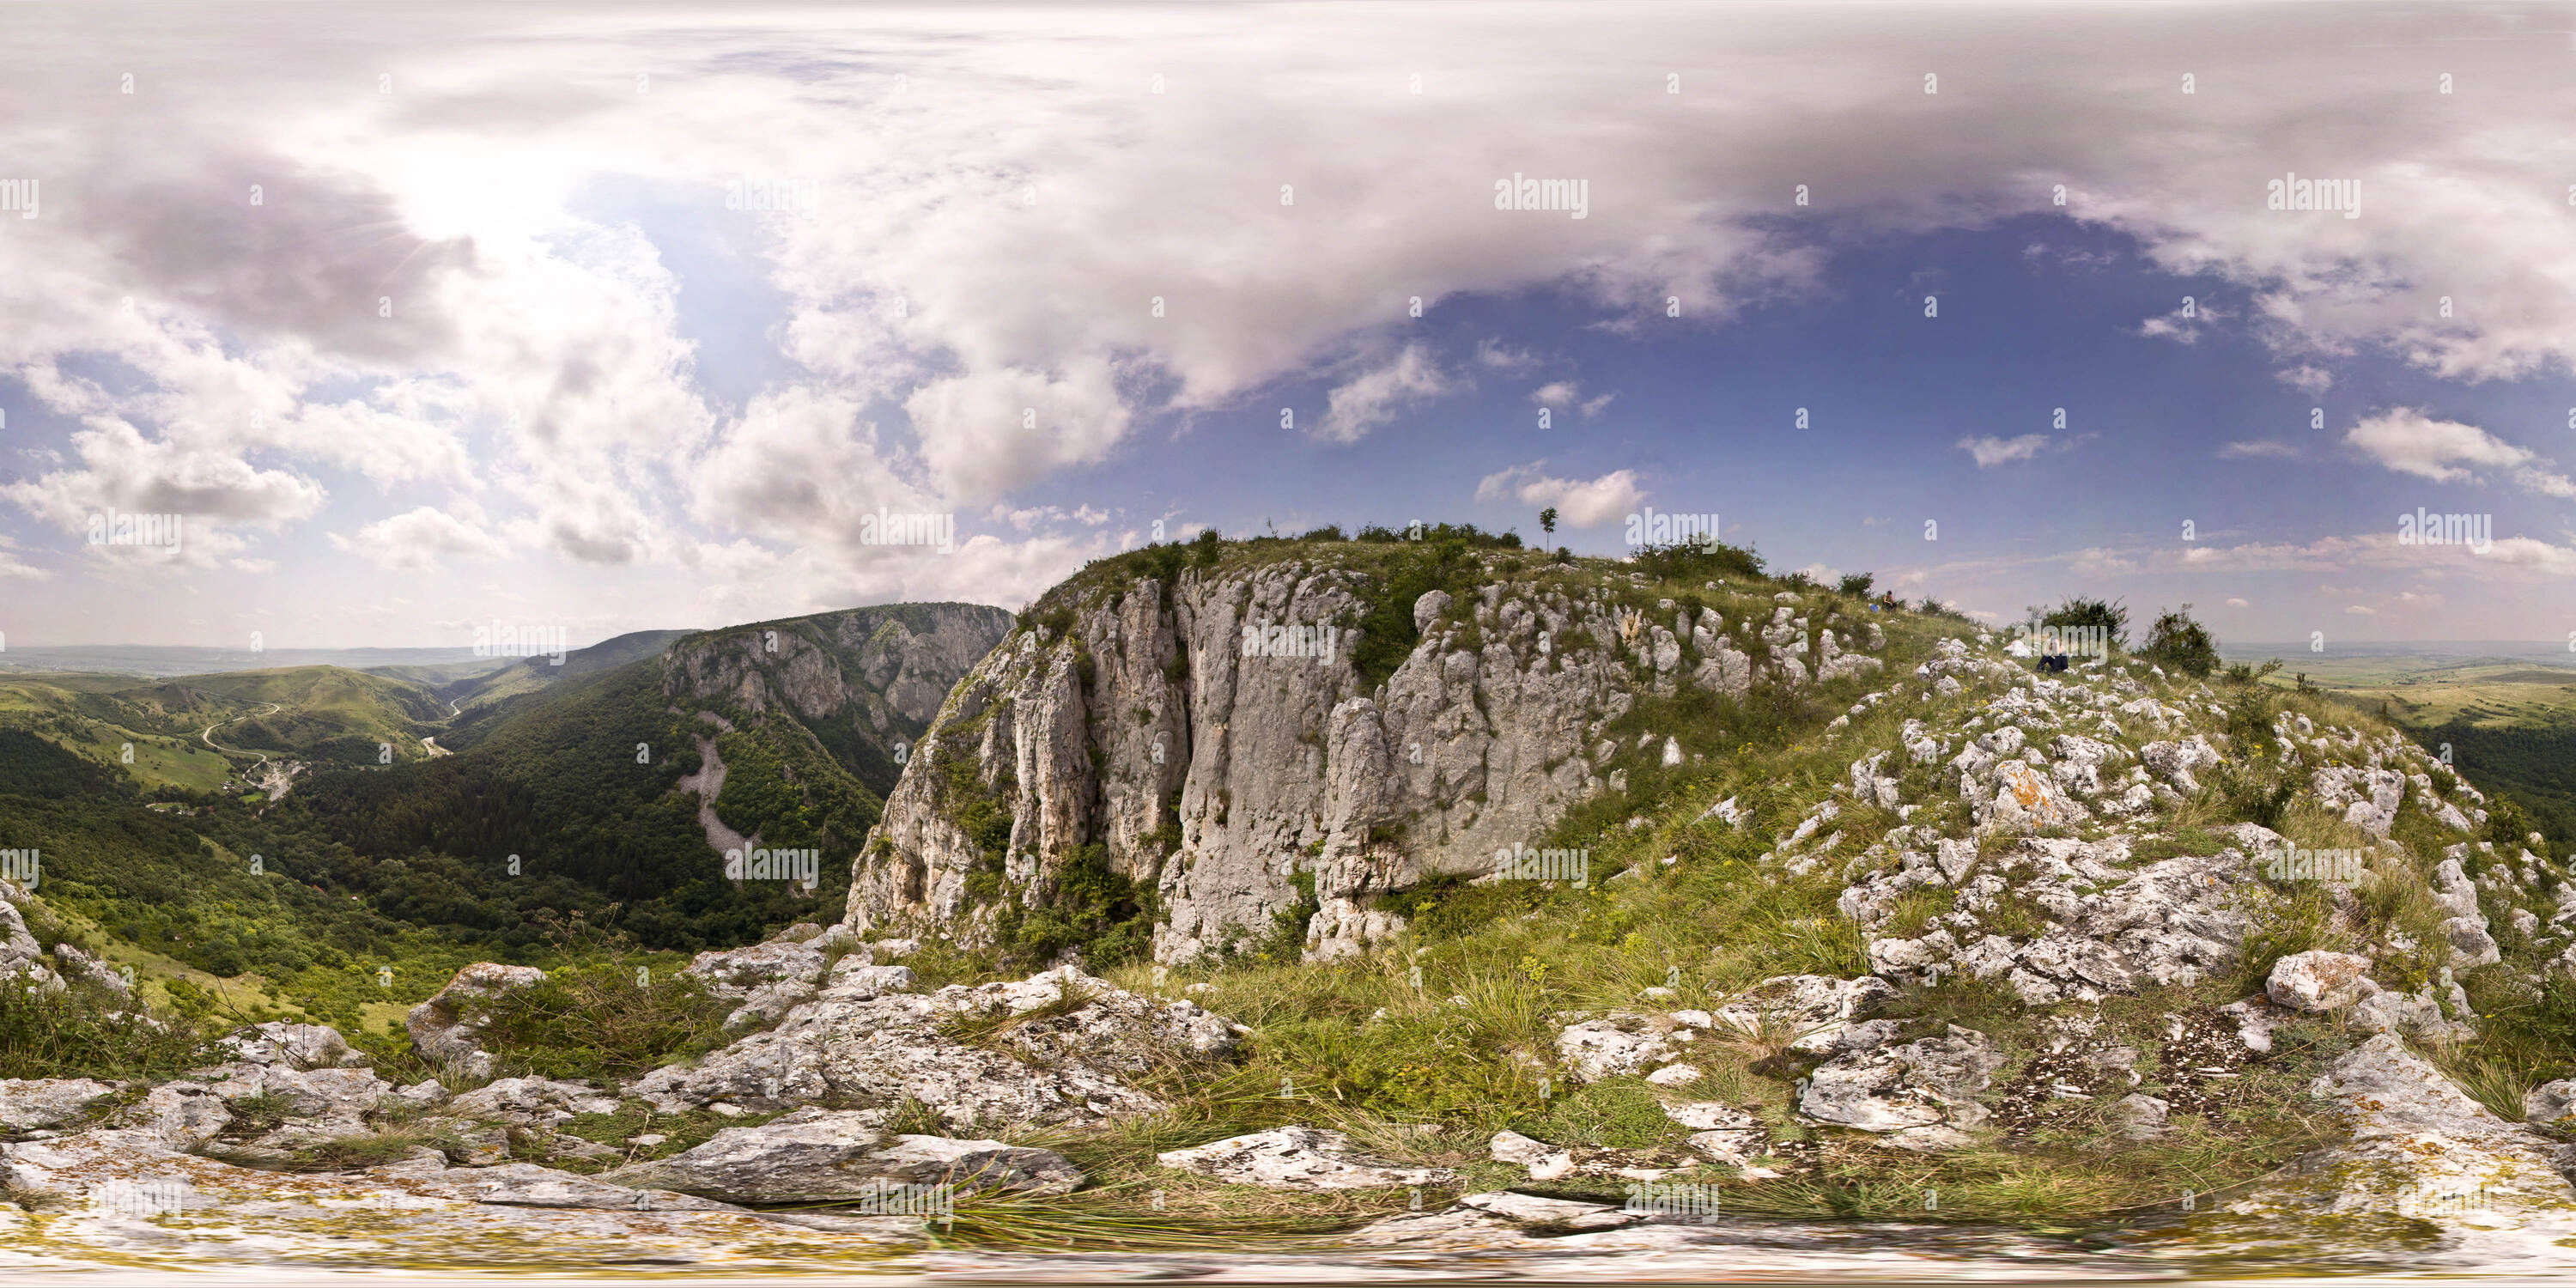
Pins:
x,y
708,783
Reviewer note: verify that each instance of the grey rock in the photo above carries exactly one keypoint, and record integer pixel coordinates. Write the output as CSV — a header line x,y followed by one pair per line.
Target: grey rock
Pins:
x,y
880,668
1817,1008
292,1046
45,1102
1267,767
1612,1047
531,1101
819,1155
447,1029
1921,1084
1298,1158
2319,981
2550,1101
80,967
1073,1064
2139,1117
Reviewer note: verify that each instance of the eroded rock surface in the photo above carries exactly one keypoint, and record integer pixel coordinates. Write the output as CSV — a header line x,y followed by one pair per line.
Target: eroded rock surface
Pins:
x,y
1057,1048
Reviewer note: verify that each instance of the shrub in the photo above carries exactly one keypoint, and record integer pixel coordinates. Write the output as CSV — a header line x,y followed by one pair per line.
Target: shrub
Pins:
x,y
2112,619
1697,561
1092,908
2253,800
1856,584
77,1033
2178,643
2240,673
1387,630
610,1018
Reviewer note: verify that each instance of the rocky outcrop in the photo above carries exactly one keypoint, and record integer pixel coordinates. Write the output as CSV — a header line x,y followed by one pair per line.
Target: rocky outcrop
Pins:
x,y
2494,1195
821,1156
1921,1094
293,1046
1298,1158
29,1103
1215,737
876,674
1060,1048
447,1029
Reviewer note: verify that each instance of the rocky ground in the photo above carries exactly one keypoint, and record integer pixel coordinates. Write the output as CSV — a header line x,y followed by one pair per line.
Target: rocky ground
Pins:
x,y
2063,938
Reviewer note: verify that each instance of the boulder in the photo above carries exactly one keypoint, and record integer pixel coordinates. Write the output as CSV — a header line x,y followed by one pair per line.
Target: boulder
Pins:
x,y
2550,1102
1933,1082
821,1155
2139,1117
1499,1217
1299,1158
2318,982
1723,1132
2418,1017
531,1102
28,1103
1618,1046
292,1046
2480,1194
83,968
447,1029
1817,1008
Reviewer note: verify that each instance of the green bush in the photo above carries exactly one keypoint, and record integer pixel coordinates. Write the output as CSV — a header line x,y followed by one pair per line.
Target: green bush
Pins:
x,y
2112,619
1697,561
2177,642
615,1017
1387,629
81,1033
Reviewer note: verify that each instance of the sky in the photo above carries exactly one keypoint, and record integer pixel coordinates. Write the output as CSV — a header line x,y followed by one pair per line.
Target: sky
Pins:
x,y
392,323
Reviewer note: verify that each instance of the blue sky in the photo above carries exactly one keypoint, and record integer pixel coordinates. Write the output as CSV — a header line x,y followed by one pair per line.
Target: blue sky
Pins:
x,y
492,342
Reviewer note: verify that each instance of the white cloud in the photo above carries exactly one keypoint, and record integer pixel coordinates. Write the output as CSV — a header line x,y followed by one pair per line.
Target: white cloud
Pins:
x,y
2357,610
473,202
1377,396
2309,379
421,539
1579,503
2233,602
2446,451
2529,552
2179,326
1556,393
1991,451
2257,448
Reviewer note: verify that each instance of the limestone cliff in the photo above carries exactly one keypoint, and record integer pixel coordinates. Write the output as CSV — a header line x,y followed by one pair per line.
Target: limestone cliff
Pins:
x,y
865,682
1215,731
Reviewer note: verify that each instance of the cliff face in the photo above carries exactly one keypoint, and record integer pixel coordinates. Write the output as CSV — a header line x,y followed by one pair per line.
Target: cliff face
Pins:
x,y
862,681
1214,734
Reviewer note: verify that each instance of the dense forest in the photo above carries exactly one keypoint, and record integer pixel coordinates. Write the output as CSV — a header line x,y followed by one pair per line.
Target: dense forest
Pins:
x,y
567,810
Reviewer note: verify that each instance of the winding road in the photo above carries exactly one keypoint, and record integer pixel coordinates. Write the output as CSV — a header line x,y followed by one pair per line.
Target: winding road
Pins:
x,y
209,734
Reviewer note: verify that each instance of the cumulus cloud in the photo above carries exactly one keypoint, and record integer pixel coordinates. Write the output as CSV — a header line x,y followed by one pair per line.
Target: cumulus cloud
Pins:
x,y
2446,451
1379,395
422,539
1024,259
1990,451
1579,503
